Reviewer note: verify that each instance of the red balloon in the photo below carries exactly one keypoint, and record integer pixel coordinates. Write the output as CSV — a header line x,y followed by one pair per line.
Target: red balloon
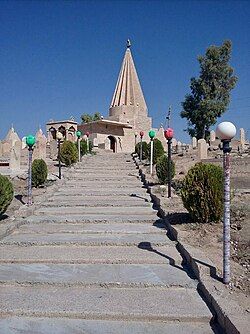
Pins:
x,y
87,134
141,133
169,133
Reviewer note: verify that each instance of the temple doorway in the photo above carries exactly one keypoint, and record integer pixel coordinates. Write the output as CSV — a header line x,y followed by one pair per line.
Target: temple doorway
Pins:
x,y
112,142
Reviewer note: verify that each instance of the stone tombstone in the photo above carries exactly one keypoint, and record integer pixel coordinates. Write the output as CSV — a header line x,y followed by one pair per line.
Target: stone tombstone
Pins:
x,y
24,145
212,136
194,142
174,142
40,147
53,149
242,138
15,155
179,147
202,149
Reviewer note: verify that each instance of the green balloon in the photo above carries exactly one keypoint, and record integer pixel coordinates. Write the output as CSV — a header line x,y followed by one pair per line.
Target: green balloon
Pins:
x,y
151,134
78,134
30,140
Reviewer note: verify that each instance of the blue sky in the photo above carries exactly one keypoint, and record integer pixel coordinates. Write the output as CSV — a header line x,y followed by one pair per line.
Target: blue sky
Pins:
x,y
61,58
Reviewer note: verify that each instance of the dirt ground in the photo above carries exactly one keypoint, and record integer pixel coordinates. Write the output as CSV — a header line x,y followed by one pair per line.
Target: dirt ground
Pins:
x,y
209,237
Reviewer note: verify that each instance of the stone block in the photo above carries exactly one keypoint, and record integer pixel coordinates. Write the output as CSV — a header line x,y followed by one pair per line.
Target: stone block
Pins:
x,y
202,149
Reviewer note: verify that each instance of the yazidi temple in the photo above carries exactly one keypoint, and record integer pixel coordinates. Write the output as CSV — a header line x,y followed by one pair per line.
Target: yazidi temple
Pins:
x,y
128,115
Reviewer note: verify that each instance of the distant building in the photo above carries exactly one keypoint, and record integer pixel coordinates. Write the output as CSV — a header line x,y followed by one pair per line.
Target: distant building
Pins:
x,y
128,115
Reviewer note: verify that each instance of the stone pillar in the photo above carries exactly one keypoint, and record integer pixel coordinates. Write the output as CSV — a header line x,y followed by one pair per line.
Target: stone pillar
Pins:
x,y
242,138
1,148
178,147
194,142
15,155
202,149
212,136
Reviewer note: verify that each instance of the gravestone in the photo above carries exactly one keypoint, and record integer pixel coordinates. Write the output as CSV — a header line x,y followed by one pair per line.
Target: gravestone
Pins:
x,y
24,145
194,142
212,136
40,147
242,138
202,149
179,147
53,149
15,155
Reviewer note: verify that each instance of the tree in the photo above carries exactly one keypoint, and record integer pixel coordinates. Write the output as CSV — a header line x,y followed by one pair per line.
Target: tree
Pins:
x,y
86,118
210,92
96,116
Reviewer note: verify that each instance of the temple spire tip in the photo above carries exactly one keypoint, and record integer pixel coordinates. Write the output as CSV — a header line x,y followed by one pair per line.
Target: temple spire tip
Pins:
x,y
128,44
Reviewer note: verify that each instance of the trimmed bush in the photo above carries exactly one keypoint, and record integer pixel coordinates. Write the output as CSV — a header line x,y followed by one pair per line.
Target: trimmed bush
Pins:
x,y
202,193
39,172
6,193
69,154
83,146
162,169
144,149
158,150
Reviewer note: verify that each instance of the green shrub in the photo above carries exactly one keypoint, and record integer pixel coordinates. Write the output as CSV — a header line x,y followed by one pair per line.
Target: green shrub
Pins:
x,y
83,146
162,169
144,149
202,193
39,172
69,153
6,193
158,150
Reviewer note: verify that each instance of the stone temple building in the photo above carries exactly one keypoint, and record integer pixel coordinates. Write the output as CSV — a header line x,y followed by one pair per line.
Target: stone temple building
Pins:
x,y
128,114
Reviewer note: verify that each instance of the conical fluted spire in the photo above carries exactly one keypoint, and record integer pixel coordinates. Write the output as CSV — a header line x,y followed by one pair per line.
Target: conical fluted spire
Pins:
x,y
128,90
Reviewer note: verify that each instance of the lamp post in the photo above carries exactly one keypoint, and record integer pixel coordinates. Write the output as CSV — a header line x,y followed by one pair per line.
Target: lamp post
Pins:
x,y
151,136
78,134
87,134
59,137
141,136
169,133
30,141
226,131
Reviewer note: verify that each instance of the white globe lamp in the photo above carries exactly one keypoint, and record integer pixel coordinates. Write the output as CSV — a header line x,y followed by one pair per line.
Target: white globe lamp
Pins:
x,y
226,131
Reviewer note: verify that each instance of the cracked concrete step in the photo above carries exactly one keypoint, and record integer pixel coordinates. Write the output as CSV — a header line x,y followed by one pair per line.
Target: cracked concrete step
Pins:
x,y
110,191
96,201
101,210
92,218
118,239
102,184
89,254
120,275
28,325
92,228
104,303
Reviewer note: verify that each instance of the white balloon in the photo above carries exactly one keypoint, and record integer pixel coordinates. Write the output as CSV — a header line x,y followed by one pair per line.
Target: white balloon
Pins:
x,y
226,131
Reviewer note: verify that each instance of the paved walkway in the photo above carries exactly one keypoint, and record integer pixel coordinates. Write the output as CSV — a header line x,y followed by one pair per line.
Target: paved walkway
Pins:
x,y
95,258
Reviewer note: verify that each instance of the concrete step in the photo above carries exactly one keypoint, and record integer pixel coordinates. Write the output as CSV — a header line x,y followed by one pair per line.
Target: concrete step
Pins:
x,y
104,303
102,184
109,239
90,254
92,228
130,191
29,325
84,177
97,201
119,275
101,210
92,218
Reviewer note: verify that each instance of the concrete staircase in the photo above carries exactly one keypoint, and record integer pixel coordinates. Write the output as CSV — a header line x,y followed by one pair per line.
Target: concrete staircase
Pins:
x,y
95,258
